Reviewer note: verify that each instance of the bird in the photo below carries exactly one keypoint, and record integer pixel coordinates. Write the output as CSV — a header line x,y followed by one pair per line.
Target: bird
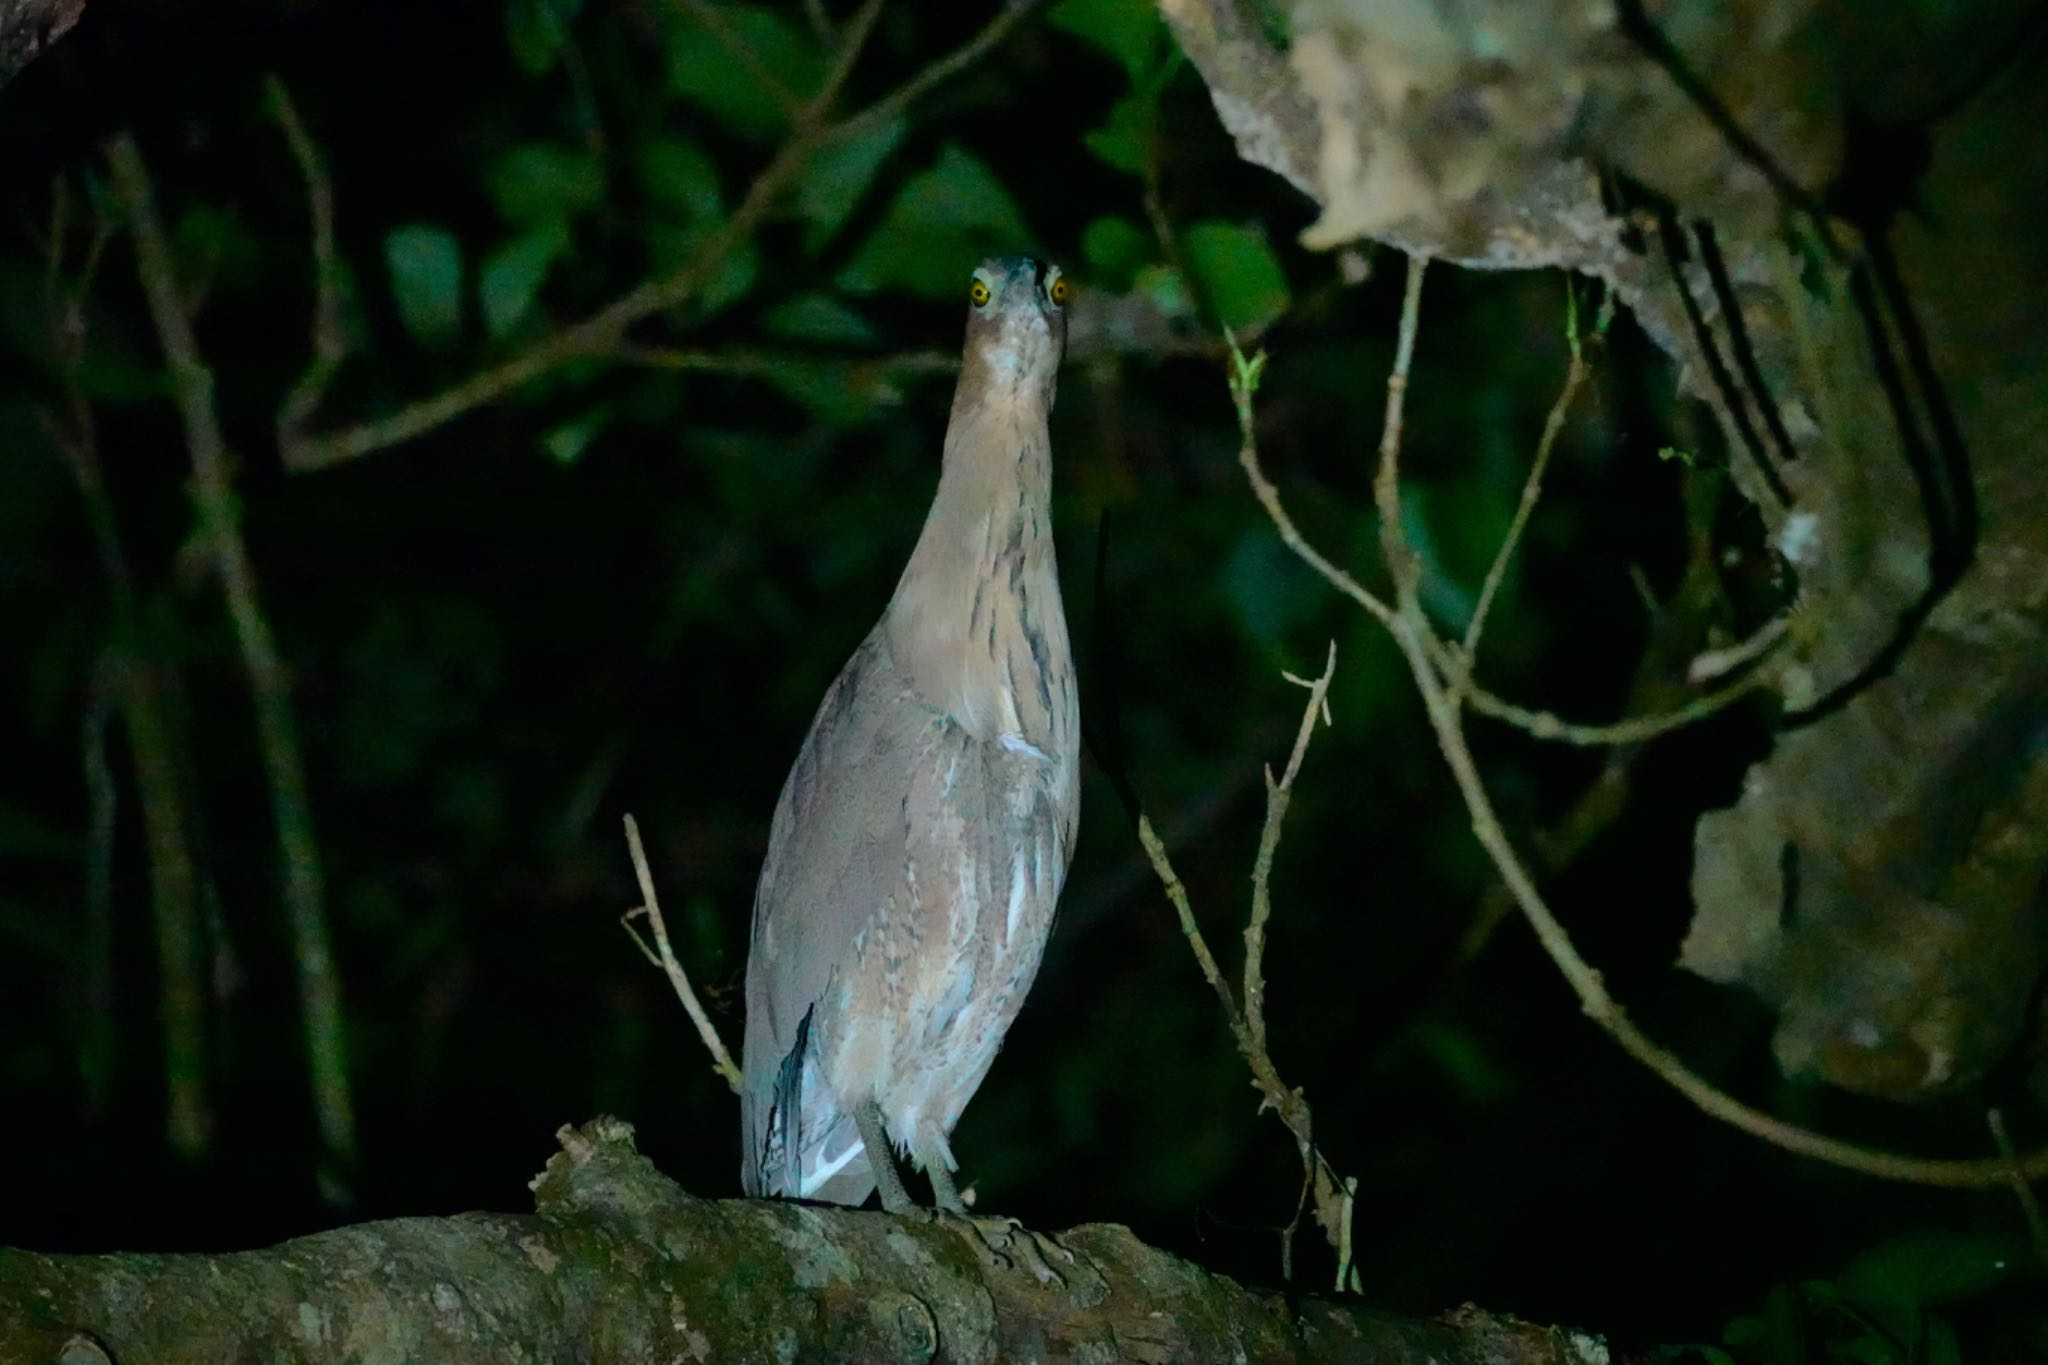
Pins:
x,y
922,837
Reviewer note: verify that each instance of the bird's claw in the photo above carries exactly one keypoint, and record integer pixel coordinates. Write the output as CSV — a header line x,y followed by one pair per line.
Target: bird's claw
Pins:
x,y
999,1235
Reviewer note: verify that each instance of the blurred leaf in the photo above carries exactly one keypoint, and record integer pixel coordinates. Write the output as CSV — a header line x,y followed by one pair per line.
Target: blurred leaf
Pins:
x,y
537,31
1167,290
512,275
1784,1341
1744,1333
1942,1347
939,226
426,280
24,834
818,317
1121,140
675,173
1269,591
1897,1278
216,246
1866,1349
1238,271
703,68
540,181
838,175
1462,1058
1114,249
1130,31
728,281
566,443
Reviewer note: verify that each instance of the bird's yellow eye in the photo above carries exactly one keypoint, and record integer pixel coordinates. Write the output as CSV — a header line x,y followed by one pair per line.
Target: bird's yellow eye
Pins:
x,y
1058,290
978,292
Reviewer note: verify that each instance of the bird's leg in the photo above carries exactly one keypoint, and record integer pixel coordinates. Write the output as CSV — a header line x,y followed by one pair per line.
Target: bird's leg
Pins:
x,y
945,1193
867,1116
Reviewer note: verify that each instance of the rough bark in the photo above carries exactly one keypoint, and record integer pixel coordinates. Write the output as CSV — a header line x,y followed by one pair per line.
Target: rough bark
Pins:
x,y
28,27
1825,213
619,1264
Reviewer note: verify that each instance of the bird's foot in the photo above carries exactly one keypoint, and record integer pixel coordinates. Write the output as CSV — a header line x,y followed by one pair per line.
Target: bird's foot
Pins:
x,y
1008,1242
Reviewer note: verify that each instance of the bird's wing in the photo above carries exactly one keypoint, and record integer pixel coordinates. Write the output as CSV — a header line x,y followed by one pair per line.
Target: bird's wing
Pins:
x,y
836,852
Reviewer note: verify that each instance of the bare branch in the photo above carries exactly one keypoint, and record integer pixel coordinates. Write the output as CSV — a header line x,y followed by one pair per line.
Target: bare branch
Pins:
x,y
1532,489
1386,484
1429,662
1246,1018
277,728
1277,796
603,331
664,957
330,343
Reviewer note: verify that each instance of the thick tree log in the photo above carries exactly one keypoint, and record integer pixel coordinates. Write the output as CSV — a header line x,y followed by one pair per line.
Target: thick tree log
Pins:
x,y
619,1264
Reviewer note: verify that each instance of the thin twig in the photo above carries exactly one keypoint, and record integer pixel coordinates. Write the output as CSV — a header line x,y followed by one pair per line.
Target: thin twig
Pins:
x,y
2022,1188
754,362
1277,796
664,957
1532,489
1632,730
1424,653
330,342
1386,484
1246,1018
277,728
602,331
1244,382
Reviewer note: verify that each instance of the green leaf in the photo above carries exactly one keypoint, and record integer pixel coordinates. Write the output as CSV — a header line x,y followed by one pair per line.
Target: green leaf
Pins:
x,y
729,280
1922,1269
938,227
426,280
1784,1340
1942,1346
566,443
537,31
1167,290
1267,588
1130,31
514,272
1114,249
838,176
1121,140
818,317
215,246
704,68
1238,271
539,181
676,174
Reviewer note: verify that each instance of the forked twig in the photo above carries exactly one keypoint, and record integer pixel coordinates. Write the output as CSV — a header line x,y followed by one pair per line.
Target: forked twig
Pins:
x,y
1246,1015
1428,659
664,957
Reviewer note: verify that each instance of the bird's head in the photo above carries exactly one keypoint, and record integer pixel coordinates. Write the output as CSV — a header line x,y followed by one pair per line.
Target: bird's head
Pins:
x,y
1016,327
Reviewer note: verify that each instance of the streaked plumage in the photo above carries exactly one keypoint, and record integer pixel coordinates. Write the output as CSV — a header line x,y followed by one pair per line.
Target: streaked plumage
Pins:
x,y
924,832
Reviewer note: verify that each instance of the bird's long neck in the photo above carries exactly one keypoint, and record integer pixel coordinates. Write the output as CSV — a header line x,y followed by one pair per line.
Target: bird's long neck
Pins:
x,y
976,621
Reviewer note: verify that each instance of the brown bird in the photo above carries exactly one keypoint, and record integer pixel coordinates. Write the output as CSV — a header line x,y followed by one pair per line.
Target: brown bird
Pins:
x,y
924,833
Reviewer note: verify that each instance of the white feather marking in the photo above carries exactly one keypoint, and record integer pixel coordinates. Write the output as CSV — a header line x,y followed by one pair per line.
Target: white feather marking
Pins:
x,y
814,1179
1017,744
1016,897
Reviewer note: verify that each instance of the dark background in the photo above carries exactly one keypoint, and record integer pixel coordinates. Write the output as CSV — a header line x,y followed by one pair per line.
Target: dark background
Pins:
x,y
496,652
